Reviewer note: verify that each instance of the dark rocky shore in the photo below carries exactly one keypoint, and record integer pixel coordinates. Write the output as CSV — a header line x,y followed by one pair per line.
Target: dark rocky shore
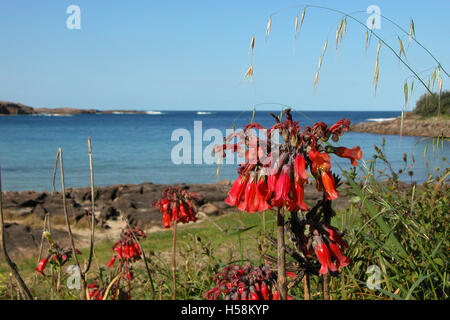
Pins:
x,y
25,211
413,125
13,108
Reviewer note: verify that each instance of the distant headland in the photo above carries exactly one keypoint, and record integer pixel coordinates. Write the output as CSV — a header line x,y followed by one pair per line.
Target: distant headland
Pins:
x,y
13,108
413,125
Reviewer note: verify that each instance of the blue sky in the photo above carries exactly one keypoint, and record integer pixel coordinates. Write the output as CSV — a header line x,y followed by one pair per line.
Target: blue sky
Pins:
x,y
192,55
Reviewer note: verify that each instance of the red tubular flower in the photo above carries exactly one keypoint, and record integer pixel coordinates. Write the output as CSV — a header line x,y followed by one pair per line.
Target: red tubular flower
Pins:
x,y
260,199
249,196
282,189
236,192
291,275
175,216
166,220
111,262
164,205
321,161
253,294
183,214
138,250
328,183
264,291
342,260
339,128
300,174
192,215
120,251
126,251
323,254
298,195
353,154
334,235
261,187
41,266
271,184
132,251
276,295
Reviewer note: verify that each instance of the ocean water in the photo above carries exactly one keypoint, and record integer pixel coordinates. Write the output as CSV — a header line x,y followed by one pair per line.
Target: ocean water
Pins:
x,y
137,148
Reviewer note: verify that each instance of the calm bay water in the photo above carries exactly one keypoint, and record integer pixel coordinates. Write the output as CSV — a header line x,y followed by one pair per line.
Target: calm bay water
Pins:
x,y
137,148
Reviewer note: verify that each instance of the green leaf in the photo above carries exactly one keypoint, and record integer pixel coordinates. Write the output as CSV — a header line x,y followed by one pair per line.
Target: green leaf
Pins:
x,y
415,285
378,219
238,232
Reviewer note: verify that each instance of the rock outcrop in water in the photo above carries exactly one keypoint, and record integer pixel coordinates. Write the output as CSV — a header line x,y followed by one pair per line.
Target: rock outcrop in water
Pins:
x,y
413,125
12,108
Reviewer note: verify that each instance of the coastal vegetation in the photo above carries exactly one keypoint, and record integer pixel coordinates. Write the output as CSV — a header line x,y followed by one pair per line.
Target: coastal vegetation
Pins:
x,y
433,105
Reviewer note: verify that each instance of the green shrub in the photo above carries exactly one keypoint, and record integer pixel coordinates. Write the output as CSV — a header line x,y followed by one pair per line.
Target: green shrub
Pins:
x,y
428,105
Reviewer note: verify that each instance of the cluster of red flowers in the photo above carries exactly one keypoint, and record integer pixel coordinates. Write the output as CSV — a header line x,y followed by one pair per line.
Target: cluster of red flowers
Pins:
x,y
330,246
95,291
177,205
127,250
56,256
245,283
324,240
277,180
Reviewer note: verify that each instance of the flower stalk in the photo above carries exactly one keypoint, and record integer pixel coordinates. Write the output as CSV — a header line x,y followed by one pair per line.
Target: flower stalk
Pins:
x,y
281,256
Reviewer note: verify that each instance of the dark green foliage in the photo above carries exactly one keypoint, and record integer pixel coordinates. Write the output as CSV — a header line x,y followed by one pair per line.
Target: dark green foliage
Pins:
x,y
428,105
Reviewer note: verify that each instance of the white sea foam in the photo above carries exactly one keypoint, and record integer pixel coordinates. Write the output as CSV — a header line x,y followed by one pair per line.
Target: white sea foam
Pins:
x,y
204,112
51,115
380,119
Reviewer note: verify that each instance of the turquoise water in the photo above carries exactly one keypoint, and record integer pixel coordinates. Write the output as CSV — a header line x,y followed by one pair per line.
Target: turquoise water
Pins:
x,y
137,148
